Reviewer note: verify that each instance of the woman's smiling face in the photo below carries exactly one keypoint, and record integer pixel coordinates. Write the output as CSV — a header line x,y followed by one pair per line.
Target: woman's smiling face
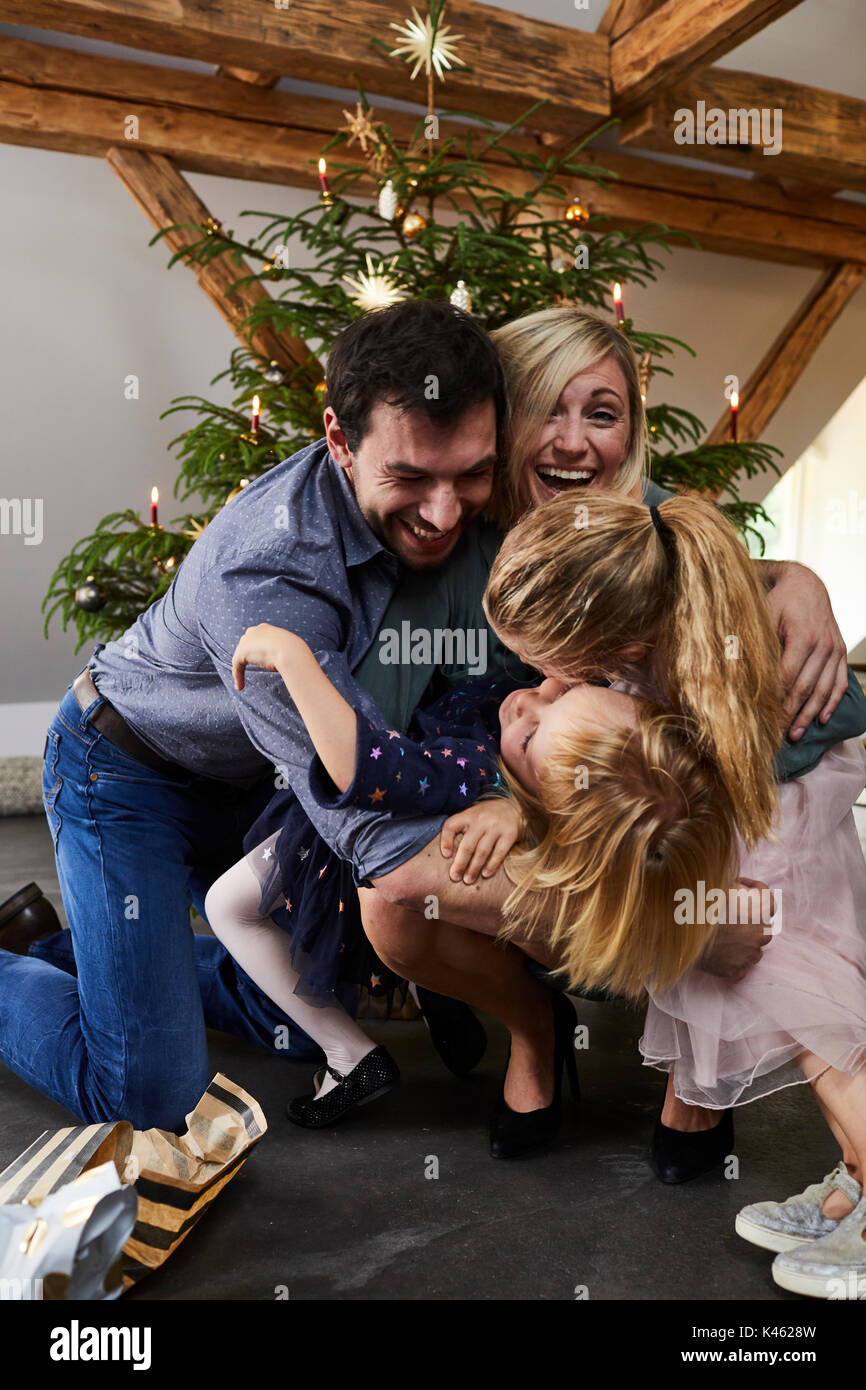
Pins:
x,y
530,721
586,438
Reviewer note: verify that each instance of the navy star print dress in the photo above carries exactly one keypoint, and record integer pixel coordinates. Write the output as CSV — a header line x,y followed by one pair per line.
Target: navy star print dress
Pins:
x,y
444,763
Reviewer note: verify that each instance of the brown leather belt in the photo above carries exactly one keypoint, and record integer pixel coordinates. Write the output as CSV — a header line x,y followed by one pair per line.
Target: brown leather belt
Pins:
x,y
114,727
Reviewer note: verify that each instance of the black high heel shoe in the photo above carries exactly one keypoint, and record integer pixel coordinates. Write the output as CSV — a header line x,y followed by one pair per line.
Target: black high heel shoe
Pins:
x,y
678,1155
372,1077
514,1133
457,1035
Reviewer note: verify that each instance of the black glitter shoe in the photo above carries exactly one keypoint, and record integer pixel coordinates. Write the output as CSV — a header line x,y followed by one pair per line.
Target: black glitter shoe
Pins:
x,y
372,1077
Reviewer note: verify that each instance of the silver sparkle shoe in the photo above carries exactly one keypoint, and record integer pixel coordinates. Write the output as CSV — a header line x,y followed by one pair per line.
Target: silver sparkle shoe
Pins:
x,y
800,1220
833,1267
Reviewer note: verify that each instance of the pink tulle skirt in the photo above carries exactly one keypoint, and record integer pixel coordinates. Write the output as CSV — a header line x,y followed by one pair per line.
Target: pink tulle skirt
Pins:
x,y
731,1043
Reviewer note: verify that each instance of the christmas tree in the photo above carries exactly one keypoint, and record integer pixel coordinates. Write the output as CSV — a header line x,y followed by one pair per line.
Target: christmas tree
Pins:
x,y
479,217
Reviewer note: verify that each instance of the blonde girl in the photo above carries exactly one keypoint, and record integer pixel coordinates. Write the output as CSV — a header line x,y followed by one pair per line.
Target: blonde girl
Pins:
x,y
576,587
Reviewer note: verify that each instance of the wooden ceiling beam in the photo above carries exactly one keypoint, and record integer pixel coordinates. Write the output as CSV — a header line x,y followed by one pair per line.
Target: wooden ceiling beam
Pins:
x,y
797,190
515,60
622,15
166,198
821,132
726,215
784,362
140,85
673,40
254,79
217,125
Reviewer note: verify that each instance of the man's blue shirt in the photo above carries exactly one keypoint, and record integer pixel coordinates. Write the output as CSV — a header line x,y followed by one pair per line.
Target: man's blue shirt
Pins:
x,y
295,550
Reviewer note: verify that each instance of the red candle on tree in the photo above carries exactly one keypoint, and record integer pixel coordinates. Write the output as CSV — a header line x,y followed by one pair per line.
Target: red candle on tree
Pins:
x,y
154,499
735,406
254,420
617,302
323,175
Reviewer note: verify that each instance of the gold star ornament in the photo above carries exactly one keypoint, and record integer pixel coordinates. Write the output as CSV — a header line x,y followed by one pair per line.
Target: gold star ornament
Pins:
x,y
427,44
376,288
361,127
195,528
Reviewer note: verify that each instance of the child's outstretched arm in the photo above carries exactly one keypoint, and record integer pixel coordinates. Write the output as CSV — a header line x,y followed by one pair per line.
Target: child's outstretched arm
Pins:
x,y
330,720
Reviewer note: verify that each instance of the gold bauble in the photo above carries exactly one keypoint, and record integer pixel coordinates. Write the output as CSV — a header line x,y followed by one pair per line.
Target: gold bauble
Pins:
x,y
576,211
413,223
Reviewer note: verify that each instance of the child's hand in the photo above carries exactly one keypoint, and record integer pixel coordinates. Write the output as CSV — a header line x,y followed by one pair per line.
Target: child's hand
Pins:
x,y
487,832
737,947
266,646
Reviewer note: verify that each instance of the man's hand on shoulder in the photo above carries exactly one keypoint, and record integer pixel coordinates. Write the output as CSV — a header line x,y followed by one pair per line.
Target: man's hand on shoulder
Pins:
x,y
814,658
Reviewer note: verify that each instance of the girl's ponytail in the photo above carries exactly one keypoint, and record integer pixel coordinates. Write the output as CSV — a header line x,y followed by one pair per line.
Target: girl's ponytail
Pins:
x,y
718,655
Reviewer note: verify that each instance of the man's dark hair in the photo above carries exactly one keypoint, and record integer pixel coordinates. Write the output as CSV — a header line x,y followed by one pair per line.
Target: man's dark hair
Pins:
x,y
421,354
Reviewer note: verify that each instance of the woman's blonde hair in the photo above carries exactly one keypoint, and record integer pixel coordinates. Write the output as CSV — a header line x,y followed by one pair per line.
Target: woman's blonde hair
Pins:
x,y
624,821
576,583
540,353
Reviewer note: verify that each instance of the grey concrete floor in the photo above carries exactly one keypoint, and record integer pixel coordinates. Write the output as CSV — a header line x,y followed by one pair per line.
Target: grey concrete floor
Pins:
x,y
348,1213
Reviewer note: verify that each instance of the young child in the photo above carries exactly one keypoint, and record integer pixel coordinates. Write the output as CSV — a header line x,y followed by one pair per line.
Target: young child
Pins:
x,y
289,912
573,590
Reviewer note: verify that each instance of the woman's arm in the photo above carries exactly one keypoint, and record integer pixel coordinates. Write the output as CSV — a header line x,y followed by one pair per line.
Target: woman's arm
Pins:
x,y
330,720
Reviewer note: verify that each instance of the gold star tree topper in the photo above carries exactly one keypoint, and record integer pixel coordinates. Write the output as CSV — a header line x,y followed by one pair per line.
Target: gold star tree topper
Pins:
x,y
428,43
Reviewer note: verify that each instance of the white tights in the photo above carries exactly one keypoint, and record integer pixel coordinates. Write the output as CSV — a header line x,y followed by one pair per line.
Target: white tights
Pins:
x,y
264,951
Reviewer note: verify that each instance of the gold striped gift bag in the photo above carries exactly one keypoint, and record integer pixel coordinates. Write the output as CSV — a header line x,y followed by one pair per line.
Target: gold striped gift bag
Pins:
x,y
57,1158
179,1176
176,1177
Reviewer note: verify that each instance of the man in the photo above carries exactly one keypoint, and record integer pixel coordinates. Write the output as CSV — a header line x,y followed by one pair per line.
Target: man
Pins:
x,y
155,768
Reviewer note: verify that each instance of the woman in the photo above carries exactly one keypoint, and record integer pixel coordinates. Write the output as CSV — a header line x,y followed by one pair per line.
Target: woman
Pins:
x,y
576,423
575,415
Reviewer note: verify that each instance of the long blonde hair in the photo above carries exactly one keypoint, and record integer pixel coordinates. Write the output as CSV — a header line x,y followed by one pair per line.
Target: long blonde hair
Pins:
x,y
540,353
623,821
576,583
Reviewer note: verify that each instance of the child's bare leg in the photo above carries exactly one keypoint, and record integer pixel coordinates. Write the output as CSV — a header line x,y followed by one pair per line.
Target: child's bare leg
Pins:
x,y
842,1099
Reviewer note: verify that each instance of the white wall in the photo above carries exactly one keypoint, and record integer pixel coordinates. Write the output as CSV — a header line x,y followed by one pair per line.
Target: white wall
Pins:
x,y
89,303
819,511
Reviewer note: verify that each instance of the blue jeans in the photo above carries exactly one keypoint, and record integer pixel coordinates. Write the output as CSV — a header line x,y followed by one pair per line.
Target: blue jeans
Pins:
x,y
119,1032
